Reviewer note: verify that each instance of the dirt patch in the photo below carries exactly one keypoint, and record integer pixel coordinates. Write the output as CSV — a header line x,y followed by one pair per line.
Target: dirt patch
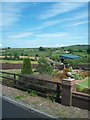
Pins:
x,y
43,104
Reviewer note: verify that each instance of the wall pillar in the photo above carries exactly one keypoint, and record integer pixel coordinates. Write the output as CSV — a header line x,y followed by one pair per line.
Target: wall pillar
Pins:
x,y
68,85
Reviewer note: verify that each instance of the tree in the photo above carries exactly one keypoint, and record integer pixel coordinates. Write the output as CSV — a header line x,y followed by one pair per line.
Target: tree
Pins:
x,y
80,50
5,56
8,48
41,49
71,50
10,56
36,55
27,68
16,56
88,50
22,54
44,67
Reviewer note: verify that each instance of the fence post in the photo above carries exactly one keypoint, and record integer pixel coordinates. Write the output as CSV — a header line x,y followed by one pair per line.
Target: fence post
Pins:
x,y
14,76
68,85
14,82
58,93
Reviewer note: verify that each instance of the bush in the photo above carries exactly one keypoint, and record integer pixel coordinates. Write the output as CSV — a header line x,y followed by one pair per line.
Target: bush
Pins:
x,y
27,68
82,89
77,76
59,76
84,74
44,67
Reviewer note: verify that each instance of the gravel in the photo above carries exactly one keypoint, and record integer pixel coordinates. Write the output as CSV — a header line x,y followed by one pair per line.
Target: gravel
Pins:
x,y
44,104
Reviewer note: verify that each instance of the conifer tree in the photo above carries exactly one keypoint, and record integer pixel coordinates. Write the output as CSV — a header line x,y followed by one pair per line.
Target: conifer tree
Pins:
x,y
27,68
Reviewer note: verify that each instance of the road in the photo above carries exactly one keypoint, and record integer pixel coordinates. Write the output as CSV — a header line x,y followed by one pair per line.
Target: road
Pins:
x,y
11,109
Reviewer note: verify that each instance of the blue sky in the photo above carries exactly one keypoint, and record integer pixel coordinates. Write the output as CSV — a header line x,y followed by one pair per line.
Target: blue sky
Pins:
x,y
35,24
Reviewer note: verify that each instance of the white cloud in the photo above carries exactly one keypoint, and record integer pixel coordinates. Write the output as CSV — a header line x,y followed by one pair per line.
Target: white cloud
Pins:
x,y
81,15
0,45
58,45
11,13
80,23
48,24
51,35
60,8
72,17
20,35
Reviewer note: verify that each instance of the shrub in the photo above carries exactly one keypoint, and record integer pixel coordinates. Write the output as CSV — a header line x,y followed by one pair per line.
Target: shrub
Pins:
x,y
44,67
84,74
66,70
77,76
27,68
60,76
86,90
82,89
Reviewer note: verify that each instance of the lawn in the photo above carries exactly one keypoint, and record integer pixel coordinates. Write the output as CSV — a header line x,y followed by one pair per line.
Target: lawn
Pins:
x,y
85,83
84,86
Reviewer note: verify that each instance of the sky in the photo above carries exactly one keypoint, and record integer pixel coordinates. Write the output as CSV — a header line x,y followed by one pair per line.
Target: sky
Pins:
x,y
46,24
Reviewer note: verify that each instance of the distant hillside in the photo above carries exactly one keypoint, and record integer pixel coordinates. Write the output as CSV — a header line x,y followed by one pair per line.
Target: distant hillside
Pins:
x,y
77,47
74,47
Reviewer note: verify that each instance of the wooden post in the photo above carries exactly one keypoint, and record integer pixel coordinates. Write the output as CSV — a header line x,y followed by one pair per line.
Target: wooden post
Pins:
x,y
14,82
14,76
58,93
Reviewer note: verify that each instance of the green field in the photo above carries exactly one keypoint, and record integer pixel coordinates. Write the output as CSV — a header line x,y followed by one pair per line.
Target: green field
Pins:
x,y
16,61
25,52
13,55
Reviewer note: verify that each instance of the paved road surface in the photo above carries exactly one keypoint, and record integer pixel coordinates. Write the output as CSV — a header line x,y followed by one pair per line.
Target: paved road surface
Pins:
x,y
12,109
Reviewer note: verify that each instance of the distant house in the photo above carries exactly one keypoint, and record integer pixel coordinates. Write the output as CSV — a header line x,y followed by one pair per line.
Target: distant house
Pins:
x,y
57,65
66,52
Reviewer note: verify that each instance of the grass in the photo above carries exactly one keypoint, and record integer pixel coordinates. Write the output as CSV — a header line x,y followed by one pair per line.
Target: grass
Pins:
x,y
84,86
16,61
19,97
85,83
29,52
16,71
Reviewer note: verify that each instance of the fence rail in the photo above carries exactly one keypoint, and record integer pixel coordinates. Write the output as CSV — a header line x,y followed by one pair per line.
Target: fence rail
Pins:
x,y
33,84
45,88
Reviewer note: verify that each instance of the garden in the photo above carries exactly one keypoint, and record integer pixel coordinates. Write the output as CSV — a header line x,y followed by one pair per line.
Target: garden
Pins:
x,y
45,70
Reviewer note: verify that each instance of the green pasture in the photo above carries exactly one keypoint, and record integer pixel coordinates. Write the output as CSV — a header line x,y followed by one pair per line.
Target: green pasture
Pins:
x,y
27,51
